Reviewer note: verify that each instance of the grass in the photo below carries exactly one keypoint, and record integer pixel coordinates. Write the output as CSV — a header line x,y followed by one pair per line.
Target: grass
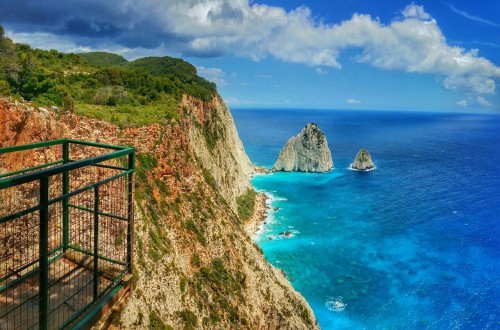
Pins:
x,y
199,235
132,115
224,287
188,318
156,323
246,204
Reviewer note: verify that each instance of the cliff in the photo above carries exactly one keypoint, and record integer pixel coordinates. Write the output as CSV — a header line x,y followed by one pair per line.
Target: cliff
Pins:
x,y
194,264
306,152
363,161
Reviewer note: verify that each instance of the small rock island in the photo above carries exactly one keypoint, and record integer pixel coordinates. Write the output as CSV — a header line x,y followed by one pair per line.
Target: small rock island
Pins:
x,y
363,161
306,152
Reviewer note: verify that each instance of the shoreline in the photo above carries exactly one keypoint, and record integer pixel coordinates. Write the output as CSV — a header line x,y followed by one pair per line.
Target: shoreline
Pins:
x,y
256,220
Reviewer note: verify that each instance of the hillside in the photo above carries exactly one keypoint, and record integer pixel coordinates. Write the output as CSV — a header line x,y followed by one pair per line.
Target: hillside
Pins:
x,y
100,85
103,59
195,267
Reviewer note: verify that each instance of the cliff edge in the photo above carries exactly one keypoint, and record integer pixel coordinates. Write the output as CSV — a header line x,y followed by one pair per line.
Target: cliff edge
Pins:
x,y
306,152
195,267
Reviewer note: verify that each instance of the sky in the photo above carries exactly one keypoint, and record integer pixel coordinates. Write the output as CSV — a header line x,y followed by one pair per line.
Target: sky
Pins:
x,y
429,55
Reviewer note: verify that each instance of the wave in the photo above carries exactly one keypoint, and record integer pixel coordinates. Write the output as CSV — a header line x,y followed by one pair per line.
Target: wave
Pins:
x,y
355,169
335,304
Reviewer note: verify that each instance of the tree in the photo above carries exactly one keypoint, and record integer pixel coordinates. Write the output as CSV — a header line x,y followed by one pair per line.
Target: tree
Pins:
x,y
8,60
27,68
111,95
68,104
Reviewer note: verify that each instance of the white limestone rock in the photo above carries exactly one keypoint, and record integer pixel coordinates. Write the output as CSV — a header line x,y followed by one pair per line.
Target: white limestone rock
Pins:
x,y
363,161
306,152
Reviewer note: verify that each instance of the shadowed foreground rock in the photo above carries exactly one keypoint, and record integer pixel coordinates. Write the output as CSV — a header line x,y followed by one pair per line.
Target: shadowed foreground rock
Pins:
x,y
306,152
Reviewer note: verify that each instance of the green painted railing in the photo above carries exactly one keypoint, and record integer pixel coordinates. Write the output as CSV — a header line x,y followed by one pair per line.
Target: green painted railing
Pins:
x,y
66,230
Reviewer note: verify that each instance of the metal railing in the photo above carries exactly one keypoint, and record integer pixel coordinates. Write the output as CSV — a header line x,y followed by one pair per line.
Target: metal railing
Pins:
x,y
66,230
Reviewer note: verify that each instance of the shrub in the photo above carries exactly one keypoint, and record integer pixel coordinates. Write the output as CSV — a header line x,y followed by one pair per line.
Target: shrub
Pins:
x,y
155,322
188,318
111,95
246,204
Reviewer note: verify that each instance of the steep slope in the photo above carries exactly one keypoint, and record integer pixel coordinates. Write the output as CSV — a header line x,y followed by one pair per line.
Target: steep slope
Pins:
x,y
195,267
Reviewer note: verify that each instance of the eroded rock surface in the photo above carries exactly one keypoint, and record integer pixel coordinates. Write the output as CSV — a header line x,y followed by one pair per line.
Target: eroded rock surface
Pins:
x,y
306,152
363,161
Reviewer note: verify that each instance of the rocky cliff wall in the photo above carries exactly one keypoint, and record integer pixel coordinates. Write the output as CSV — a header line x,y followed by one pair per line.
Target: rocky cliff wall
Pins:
x,y
217,145
195,267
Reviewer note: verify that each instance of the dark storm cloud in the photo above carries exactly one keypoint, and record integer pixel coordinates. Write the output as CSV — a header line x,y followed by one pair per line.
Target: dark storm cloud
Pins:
x,y
89,27
89,23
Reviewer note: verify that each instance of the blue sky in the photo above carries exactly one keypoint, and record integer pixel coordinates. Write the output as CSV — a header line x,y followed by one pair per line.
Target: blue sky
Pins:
x,y
337,54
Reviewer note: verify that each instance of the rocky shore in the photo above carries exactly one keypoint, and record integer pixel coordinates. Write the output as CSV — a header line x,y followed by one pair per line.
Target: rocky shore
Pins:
x,y
252,225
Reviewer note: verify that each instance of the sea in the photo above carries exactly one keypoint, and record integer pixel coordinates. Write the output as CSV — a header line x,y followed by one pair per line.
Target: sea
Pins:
x,y
413,244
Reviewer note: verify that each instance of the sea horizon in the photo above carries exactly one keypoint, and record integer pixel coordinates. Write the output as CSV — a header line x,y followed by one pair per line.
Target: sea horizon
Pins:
x,y
395,110
412,243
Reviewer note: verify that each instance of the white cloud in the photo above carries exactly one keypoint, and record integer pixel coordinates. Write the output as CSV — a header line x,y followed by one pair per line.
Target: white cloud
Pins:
x,y
353,101
413,43
321,71
471,17
478,101
463,103
215,75
264,76
484,102
231,100
416,12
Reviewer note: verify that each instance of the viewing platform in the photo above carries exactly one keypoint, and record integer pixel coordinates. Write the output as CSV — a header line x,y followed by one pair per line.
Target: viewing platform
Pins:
x,y
66,232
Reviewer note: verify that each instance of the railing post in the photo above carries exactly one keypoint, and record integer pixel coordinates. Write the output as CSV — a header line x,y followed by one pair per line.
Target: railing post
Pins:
x,y
130,211
43,254
96,242
65,191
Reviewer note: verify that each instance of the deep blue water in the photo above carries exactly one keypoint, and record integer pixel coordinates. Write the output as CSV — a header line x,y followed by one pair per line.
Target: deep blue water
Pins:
x,y
414,244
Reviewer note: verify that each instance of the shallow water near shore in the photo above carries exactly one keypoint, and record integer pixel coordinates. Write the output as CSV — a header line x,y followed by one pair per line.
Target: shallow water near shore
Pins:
x,y
414,243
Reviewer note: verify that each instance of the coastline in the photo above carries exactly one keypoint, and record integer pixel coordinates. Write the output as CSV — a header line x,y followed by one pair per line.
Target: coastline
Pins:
x,y
253,223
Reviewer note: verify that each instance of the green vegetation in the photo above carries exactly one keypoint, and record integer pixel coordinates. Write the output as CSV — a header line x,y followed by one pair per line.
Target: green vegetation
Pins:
x,y
199,235
246,204
213,131
210,179
223,285
103,59
156,323
188,318
183,284
100,85
364,155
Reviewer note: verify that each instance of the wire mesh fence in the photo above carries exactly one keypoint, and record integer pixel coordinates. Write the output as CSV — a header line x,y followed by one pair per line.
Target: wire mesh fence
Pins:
x,y
66,225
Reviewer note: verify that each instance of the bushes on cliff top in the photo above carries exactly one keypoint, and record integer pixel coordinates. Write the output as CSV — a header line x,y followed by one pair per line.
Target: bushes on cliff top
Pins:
x,y
101,85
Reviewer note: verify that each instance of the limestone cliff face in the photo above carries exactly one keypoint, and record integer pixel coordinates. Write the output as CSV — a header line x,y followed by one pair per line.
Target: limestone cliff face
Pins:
x,y
306,152
194,264
363,161
217,145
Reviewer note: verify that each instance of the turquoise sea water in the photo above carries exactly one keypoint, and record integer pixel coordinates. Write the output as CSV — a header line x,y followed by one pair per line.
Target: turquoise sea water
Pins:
x,y
414,244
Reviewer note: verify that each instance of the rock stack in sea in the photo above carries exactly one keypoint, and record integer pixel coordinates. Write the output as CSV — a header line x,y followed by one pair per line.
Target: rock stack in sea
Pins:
x,y
306,152
363,161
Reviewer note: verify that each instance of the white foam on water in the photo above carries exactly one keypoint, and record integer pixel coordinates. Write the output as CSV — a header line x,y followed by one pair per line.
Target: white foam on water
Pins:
x,y
335,304
354,169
